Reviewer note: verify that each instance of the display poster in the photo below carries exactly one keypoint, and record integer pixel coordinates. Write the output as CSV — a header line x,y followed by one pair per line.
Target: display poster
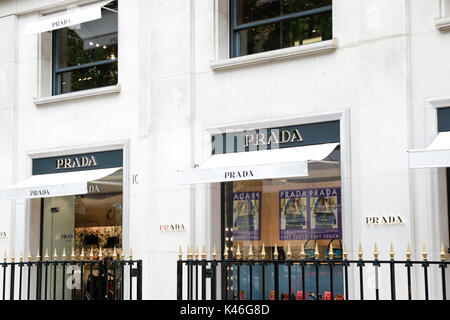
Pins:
x,y
310,214
246,216
294,215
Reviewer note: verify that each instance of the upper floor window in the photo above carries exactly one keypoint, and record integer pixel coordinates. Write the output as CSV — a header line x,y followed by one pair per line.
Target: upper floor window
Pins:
x,y
85,56
264,25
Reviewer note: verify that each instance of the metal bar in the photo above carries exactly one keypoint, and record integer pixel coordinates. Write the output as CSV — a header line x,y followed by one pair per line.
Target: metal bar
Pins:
x,y
282,18
425,273
63,281
213,281
104,266
85,66
20,280
72,264
263,280
277,288
82,289
4,281
131,279
139,281
317,279
54,280
290,280
114,280
179,280
12,281
196,281
361,279
251,281
92,280
46,280
238,281
408,272
203,271
190,283
303,282
122,267
28,280
377,291
392,267
331,281
444,293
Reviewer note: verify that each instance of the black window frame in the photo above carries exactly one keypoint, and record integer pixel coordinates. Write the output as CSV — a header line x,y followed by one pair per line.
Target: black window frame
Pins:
x,y
235,27
57,72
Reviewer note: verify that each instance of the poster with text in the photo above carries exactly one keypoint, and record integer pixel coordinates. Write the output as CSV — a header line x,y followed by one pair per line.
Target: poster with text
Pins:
x,y
325,213
246,216
294,224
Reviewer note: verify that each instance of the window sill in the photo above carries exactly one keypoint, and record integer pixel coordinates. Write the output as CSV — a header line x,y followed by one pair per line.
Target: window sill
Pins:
x,y
77,95
292,52
442,23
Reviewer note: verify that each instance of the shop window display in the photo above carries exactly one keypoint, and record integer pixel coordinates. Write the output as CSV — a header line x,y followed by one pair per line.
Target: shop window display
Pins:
x,y
85,223
287,212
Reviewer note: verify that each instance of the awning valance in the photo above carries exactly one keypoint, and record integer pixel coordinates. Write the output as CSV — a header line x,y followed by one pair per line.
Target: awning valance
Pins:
x,y
255,165
436,155
68,18
59,184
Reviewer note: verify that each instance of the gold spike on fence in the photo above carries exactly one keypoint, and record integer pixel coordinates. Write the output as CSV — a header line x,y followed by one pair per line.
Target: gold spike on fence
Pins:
x,y
442,254
289,252
214,254
204,255
302,251
375,252
275,253
360,252
424,252
391,252
408,252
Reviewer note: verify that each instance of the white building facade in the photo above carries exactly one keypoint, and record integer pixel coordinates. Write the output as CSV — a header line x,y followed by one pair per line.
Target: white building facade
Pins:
x,y
380,79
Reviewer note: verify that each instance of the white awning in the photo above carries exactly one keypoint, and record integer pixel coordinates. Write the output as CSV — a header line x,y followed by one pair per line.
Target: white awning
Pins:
x,y
71,17
58,184
255,165
437,155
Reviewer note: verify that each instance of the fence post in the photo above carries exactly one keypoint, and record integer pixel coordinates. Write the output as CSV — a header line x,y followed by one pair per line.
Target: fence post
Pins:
x,y
139,281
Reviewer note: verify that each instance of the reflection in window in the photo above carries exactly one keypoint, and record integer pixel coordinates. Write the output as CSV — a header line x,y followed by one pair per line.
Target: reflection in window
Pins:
x,y
263,25
86,55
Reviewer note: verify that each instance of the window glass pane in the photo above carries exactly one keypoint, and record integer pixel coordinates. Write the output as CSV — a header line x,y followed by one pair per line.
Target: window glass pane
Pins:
x,y
286,34
86,55
88,42
94,77
254,10
288,212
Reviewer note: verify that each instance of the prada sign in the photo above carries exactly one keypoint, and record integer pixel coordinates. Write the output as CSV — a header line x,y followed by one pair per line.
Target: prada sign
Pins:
x,y
384,220
78,162
276,138
172,227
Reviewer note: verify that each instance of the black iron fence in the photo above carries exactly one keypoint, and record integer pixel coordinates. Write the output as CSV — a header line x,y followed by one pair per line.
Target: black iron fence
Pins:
x,y
234,278
75,279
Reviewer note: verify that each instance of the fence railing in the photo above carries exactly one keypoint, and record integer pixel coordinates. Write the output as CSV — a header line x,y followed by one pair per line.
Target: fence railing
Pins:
x,y
76,278
305,279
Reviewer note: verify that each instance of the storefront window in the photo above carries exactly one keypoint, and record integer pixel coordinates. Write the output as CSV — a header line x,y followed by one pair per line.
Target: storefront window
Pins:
x,y
85,223
86,56
261,25
287,212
